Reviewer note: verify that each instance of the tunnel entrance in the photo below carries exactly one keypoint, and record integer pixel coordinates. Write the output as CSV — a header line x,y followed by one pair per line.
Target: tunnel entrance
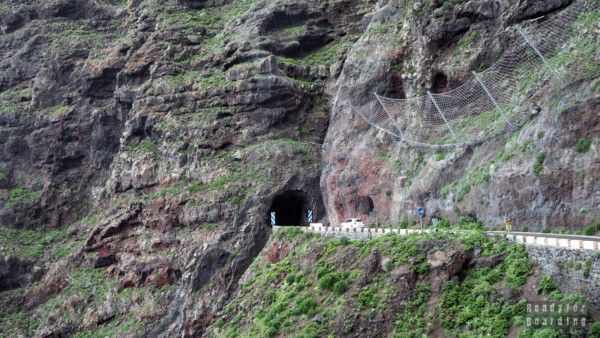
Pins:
x,y
290,208
365,205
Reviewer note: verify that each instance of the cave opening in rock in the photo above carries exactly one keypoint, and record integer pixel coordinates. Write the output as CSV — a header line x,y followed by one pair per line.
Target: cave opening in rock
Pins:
x,y
290,208
439,83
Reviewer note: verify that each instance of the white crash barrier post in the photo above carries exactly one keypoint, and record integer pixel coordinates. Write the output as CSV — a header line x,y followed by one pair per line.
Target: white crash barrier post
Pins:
x,y
519,239
575,244
530,239
589,245
563,242
552,241
540,240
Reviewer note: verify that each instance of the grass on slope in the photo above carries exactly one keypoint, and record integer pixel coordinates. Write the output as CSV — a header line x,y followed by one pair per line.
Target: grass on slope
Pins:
x,y
331,288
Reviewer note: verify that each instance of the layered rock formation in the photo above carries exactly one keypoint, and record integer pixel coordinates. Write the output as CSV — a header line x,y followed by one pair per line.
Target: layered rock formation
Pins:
x,y
144,143
366,173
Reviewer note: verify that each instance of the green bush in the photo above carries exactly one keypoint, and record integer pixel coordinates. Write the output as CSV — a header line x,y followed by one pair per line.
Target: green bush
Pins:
x,y
304,305
582,145
539,164
367,298
469,223
443,224
594,330
21,196
517,265
340,287
334,281
547,285
587,268
592,230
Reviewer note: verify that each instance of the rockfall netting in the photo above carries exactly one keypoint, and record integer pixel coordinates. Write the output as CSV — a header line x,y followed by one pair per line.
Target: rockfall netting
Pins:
x,y
545,54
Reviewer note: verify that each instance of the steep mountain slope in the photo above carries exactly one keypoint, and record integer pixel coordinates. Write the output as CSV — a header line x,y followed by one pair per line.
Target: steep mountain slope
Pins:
x,y
144,143
436,285
536,176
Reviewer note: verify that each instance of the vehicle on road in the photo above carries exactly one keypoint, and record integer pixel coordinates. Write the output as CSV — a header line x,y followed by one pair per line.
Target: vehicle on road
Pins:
x,y
352,223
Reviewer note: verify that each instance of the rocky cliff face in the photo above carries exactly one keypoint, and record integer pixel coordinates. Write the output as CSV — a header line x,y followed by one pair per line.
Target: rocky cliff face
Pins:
x,y
410,48
144,143
149,139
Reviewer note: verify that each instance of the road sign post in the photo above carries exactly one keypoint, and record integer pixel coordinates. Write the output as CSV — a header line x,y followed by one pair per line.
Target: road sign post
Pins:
x,y
421,213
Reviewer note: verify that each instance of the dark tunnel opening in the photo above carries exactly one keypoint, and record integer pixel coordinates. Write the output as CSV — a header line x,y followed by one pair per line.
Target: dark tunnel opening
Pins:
x,y
290,208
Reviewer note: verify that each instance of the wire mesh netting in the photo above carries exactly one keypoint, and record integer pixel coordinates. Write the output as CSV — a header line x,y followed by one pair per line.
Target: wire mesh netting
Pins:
x,y
546,54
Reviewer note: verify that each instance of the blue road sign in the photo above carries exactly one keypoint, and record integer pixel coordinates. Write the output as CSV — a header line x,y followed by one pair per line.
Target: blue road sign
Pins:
x,y
310,216
272,217
421,212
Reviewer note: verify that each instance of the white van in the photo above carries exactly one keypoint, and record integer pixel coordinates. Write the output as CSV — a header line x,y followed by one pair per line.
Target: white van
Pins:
x,y
352,223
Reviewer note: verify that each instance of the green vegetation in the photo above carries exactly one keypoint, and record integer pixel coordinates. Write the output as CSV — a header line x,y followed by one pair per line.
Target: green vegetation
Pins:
x,y
211,18
582,48
16,323
79,33
582,145
381,27
182,79
203,80
539,164
89,282
587,268
462,187
146,147
547,285
324,56
592,230
117,327
56,110
447,5
216,184
65,249
411,171
18,196
541,134
28,244
414,320
469,38
282,298
11,100
293,31
481,174
466,307
594,330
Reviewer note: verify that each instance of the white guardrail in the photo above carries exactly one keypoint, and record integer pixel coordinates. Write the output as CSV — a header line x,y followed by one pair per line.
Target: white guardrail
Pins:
x,y
574,242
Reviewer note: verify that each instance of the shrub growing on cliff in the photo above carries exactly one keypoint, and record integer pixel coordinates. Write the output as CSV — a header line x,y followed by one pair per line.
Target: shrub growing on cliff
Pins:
x,y
547,285
336,282
592,230
20,196
594,331
582,146
517,264
539,164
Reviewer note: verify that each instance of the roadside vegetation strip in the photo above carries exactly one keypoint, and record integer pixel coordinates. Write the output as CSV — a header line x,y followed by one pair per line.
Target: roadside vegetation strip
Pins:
x,y
528,238
326,287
